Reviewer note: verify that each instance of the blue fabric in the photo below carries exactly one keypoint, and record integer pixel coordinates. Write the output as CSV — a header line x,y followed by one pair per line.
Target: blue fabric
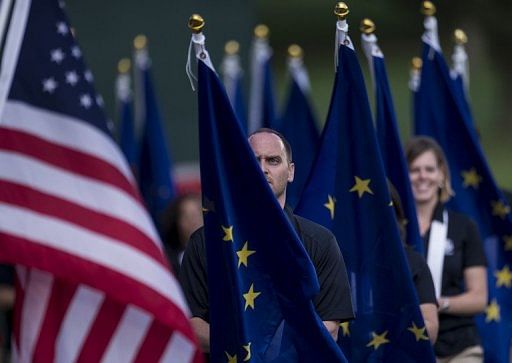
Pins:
x,y
365,226
392,152
299,127
441,112
127,138
155,173
239,103
269,99
236,195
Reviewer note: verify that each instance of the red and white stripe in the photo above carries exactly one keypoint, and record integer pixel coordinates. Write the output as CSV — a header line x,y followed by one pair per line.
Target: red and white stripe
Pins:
x,y
97,287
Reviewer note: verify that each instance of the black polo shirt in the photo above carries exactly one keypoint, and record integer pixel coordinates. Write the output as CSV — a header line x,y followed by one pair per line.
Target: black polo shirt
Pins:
x,y
464,249
421,276
333,302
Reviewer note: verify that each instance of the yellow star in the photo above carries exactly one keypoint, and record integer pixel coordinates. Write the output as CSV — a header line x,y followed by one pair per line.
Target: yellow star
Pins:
x,y
504,277
508,242
361,186
471,178
244,254
231,358
250,296
228,233
492,312
378,340
345,329
248,350
499,209
419,333
330,205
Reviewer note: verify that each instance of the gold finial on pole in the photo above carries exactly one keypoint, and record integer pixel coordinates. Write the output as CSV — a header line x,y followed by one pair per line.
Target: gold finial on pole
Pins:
x,y
367,26
123,66
196,23
460,37
295,51
140,42
428,8
341,10
416,63
232,47
261,31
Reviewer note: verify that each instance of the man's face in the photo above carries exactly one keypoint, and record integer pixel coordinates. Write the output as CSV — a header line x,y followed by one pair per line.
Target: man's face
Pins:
x,y
271,155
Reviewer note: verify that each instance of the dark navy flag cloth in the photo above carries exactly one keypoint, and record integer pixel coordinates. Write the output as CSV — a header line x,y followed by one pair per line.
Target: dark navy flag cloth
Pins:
x,y
239,103
347,193
299,127
233,82
127,136
262,104
269,117
260,279
155,167
392,152
440,112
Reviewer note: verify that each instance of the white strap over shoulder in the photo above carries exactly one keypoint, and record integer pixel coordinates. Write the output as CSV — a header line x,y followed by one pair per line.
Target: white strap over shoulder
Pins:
x,y
436,251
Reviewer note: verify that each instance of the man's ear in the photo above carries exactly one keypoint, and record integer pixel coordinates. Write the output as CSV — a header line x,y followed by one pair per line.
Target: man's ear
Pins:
x,y
291,172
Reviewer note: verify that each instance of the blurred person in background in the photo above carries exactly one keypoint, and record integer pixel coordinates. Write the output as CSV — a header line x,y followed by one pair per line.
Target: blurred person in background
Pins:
x,y
183,217
420,272
459,267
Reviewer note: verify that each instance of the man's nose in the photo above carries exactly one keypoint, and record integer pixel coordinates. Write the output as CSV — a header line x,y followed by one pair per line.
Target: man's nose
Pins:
x,y
263,165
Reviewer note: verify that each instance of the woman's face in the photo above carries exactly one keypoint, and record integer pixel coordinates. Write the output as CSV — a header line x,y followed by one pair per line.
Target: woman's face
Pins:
x,y
426,177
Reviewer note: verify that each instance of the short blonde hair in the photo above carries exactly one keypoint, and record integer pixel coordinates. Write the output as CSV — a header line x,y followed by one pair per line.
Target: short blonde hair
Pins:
x,y
421,144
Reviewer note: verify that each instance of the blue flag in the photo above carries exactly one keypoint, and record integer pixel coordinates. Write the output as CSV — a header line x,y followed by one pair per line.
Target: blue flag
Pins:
x,y
299,127
389,141
155,174
347,193
442,113
260,279
127,135
262,109
233,76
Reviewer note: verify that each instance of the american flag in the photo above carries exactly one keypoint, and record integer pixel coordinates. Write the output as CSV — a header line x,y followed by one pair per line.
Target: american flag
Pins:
x,y
92,282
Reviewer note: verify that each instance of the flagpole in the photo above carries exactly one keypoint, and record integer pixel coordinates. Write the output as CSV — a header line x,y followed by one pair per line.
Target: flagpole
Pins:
x,y
460,58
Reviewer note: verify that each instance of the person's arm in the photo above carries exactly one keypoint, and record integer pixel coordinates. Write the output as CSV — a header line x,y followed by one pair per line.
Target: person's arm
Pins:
x,y
473,300
202,330
194,282
332,327
429,313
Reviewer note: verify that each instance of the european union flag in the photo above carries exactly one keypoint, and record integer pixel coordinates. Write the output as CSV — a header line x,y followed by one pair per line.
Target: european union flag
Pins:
x,y
260,279
233,77
347,193
127,138
262,109
442,113
460,75
155,175
299,127
389,141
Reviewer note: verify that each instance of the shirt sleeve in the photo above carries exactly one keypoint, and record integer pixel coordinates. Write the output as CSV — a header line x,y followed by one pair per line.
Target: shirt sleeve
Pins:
x,y
474,254
422,277
193,276
333,303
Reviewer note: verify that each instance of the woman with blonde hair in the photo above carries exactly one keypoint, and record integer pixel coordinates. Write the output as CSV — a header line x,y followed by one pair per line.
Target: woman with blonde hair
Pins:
x,y
454,253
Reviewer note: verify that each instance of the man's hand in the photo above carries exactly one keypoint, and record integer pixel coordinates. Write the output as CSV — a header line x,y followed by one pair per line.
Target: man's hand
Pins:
x,y
332,327
202,330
